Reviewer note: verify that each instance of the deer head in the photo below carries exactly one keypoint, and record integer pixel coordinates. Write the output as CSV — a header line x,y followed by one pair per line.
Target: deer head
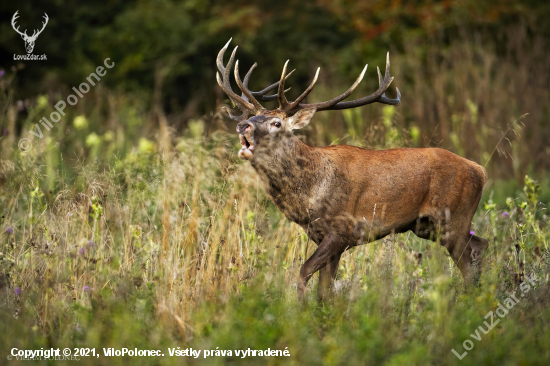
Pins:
x,y
29,40
275,125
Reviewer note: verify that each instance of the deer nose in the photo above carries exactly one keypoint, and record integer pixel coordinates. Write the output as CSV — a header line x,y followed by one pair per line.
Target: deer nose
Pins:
x,y
244,127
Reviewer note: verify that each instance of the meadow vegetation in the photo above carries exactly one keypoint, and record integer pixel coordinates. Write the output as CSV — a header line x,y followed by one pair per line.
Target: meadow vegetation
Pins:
x,y
126,227
159,249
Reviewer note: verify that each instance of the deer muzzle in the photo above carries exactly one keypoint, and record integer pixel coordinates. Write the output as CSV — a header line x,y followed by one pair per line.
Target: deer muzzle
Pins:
x,y
245,131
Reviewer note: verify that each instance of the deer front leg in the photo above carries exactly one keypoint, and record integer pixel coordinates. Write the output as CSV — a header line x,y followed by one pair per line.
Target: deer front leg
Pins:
x,y
327,252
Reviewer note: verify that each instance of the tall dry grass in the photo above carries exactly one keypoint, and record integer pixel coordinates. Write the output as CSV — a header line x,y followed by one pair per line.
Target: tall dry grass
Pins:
x,y
160,250
114,235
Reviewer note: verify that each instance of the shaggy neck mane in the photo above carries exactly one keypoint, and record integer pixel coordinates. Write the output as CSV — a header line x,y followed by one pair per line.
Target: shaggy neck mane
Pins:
x,y
291,172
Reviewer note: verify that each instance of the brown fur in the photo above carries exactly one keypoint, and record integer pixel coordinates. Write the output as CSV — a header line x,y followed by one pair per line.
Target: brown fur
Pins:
x,y
344,196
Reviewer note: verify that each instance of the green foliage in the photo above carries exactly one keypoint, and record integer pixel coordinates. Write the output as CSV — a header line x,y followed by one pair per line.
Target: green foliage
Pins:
x,y
133,224
456,62
185,250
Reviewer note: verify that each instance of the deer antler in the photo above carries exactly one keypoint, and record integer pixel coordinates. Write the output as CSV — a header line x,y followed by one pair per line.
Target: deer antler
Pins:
x,y
15,16
239,102
36,33
248,101
379,96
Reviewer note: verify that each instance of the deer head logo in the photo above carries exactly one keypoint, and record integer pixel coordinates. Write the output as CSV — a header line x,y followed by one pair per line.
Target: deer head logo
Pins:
x,y
29,40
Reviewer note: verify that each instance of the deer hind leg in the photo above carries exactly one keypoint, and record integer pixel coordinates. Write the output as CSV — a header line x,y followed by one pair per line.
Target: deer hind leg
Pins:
x,y
465,249
327,252
478,245
467,253
326,278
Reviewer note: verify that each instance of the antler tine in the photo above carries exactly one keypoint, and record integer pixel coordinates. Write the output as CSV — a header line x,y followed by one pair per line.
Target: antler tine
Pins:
x,y
306,92
234,117
247,76
13,19
270,88
260,95
219,59
240,102
225,70
43,23
380,80
244,88
383,99
283,102
269,98
229,65
225,84
387,73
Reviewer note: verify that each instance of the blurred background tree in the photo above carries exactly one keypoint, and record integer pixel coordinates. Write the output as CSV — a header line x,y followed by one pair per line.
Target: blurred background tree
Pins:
x,y
468,69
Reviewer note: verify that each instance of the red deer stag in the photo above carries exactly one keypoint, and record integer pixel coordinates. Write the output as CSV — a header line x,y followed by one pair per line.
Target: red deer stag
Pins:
x,y
344,196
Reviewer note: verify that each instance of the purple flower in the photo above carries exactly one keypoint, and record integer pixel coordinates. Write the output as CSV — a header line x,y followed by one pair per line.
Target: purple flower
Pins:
x,y
6,132
2,73
82,250
472,232
18,291
91,243
505,214
9,230
86,288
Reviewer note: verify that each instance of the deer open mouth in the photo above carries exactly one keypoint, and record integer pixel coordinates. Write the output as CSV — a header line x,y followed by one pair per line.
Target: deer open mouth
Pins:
x,y
247,147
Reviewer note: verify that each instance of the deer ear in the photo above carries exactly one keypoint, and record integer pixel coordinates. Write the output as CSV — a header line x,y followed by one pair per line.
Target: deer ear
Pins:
x,y
301,118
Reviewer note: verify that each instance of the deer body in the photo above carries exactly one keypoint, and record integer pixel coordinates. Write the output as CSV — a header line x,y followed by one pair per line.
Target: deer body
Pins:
x,y
364,195
343,196
403,184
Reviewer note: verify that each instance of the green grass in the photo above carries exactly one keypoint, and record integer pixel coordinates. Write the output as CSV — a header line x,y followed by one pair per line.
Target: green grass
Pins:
x,y
181,248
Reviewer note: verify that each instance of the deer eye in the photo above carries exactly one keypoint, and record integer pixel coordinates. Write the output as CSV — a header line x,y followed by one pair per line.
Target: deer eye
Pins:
x,y
276,124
